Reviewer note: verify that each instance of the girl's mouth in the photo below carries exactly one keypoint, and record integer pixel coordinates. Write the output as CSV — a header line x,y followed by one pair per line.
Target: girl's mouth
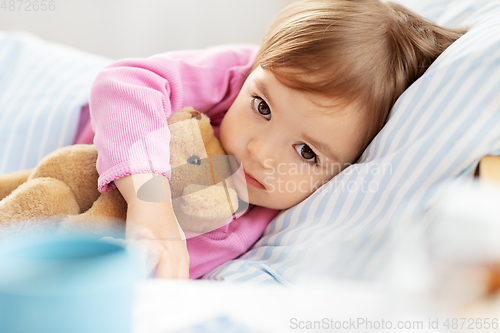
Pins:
x,y
252,181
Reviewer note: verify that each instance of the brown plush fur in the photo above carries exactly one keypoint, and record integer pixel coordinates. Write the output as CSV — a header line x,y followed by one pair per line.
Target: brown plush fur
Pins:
x,y
63,186
11,181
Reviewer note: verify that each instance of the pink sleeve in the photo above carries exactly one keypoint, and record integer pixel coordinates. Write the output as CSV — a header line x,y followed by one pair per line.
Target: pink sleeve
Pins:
x,y
132,99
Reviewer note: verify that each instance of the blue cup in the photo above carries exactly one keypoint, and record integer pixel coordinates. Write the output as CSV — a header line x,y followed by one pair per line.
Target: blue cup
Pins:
x,y
57,285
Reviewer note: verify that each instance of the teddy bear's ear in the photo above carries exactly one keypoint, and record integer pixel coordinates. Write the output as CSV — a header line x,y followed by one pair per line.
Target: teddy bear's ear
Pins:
x,y
195,114
184,114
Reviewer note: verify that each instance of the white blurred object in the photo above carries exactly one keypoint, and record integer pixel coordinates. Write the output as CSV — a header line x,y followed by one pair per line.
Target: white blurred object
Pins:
x,y
466,240
192,306
468,228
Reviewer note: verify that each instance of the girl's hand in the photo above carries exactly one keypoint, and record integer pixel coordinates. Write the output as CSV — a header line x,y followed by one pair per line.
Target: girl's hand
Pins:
x,y
169,256
149,256
154,225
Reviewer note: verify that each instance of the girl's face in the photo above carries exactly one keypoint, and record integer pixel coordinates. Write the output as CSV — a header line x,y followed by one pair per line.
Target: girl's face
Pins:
x,y
288,144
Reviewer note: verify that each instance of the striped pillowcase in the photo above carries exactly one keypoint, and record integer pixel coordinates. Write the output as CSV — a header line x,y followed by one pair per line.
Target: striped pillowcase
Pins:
x,y
437,132
43,87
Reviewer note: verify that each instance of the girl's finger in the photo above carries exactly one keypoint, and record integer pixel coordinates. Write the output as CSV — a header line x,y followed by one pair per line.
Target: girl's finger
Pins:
x,y
164,269
153,256
112,240
184,270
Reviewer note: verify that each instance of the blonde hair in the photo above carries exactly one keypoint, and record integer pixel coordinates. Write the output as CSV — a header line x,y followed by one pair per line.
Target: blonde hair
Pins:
x,y
362,52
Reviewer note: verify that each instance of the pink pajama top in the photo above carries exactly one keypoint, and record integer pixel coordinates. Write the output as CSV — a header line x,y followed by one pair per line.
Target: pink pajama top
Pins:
x,y
130,103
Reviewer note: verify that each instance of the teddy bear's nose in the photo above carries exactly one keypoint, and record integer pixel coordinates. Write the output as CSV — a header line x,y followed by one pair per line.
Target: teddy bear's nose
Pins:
x,y
194,160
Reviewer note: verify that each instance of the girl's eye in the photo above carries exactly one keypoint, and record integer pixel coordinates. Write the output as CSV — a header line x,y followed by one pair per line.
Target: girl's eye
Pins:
x,y
261,107
306,153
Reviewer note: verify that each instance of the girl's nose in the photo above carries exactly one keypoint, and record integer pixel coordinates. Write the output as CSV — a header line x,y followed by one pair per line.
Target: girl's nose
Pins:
x,y
262,151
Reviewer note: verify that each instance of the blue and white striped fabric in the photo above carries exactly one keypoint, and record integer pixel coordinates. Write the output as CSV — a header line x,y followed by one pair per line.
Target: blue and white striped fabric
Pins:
x,y
43,87
450,13
438,131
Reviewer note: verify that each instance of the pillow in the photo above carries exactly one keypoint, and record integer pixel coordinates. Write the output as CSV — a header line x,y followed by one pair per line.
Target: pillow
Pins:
x,y
43,87
449,13
438,131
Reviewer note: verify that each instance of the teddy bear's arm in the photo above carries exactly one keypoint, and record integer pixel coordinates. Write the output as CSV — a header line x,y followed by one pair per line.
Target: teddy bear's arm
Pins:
x,y
9,182
106,217
38,198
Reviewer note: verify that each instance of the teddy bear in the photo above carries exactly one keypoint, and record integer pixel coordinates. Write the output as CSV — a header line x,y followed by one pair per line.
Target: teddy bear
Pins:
x,y
62,188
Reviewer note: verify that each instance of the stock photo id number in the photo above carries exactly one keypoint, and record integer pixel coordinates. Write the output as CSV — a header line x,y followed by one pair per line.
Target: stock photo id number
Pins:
x,y
28,5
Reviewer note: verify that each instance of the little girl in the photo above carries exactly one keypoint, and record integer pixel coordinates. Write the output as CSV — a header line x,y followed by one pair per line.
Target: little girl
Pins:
x,y
296,112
